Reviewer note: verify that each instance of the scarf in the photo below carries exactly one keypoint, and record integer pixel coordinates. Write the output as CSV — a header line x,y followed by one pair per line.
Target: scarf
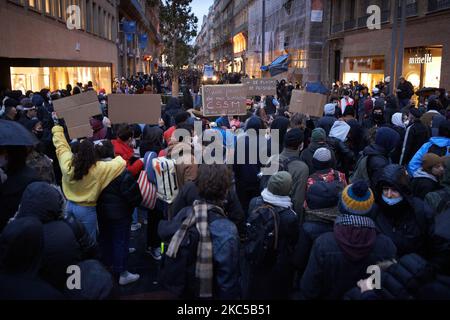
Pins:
x,y
355,236
278,201
356,221
204,263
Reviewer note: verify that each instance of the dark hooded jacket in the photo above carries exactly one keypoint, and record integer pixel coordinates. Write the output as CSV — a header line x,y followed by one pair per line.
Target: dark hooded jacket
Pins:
x,y
412,278
340,259
21,251
307,155
152,140
179,276
11,192
424,183
378,153
408,223
188,101
275,281
321,201
282,124
326,123
66,241
118,200
416,135
440,200
246,174
97,283
172,108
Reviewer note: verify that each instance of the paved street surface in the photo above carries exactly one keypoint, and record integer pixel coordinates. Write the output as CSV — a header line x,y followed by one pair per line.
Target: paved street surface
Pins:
x,y
142,263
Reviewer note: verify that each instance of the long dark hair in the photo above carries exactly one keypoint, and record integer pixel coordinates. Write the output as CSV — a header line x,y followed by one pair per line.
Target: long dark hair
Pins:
x,y
83,159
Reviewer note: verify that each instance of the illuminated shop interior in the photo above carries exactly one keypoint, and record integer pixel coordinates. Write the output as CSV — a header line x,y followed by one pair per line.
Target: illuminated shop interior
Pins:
x,y
36,78
422,66
368,71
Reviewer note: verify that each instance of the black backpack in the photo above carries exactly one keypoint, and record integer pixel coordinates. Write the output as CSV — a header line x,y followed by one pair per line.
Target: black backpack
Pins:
x,y
282,166
261,245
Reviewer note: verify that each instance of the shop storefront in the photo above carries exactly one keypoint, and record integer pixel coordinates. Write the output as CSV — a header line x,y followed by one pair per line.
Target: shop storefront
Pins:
x,y
366,70
239,49
36,78
422,66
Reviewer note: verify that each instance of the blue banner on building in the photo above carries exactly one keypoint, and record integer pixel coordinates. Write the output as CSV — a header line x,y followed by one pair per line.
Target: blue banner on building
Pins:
x,y
143,40
129,26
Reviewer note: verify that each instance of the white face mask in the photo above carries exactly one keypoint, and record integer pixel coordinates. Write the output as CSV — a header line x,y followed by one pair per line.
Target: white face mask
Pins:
x,y
3,161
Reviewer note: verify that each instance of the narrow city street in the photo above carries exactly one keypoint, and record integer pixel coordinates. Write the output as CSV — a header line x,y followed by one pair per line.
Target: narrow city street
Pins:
x,y
280,149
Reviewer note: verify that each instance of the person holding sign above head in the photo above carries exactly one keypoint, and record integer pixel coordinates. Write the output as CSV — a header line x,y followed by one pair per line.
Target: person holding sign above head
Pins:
x,y
83,177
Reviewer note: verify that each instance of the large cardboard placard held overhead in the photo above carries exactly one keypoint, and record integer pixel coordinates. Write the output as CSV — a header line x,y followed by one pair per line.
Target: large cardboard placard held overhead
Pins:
x,y
261,87
228,99
76,111
134,108
307,103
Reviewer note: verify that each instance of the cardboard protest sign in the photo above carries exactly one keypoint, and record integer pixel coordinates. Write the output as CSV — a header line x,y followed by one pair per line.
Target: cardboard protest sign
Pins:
x,y
134,108
76,111
307,103
229,99
261,87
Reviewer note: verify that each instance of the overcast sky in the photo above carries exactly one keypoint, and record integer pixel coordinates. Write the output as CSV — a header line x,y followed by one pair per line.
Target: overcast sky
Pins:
x,y
200,8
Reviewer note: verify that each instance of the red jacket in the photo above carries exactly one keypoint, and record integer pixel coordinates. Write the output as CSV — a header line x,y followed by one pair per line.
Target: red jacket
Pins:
x,y
126,152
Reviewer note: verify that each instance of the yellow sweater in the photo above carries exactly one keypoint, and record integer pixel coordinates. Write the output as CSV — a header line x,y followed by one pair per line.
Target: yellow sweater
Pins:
x,y
86,191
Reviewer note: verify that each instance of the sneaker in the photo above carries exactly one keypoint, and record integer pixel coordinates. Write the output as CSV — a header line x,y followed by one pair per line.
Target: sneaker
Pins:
x,y
131,250
127,278
155,253
135,226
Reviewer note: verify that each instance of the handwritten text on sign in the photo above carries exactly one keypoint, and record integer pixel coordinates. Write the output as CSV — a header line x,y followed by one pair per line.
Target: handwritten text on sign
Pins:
x,y
258,87
224,100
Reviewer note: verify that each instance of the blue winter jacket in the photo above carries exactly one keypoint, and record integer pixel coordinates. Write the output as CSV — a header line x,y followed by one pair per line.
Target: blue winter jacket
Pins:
x,y
416,162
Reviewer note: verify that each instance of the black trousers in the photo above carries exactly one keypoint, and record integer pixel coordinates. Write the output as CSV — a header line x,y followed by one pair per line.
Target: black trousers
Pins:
x,y
153,218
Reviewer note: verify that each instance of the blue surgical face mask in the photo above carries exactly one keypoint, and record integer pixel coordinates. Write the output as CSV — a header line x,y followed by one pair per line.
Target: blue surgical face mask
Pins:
x,y
392,201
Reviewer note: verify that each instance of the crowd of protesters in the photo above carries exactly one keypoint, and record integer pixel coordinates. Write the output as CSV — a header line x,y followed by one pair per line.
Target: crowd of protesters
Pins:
x,y
367,184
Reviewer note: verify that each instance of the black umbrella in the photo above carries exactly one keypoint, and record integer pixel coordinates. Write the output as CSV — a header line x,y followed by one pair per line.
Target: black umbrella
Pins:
x,y
14,134
426,91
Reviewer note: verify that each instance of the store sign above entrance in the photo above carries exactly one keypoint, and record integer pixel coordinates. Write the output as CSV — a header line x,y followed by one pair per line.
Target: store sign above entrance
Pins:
x,y
427,58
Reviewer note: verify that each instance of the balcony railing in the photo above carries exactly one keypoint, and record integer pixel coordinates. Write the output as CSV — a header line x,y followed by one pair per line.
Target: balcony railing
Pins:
x,y
349,24
435,5
337,28
411,10
362,21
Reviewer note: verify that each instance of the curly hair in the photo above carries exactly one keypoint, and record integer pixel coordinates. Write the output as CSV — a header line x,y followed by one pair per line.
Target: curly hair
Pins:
x,y
213,182
83,159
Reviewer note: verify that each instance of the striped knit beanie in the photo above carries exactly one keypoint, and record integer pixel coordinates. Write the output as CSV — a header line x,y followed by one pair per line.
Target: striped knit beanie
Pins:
x,y
356,199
